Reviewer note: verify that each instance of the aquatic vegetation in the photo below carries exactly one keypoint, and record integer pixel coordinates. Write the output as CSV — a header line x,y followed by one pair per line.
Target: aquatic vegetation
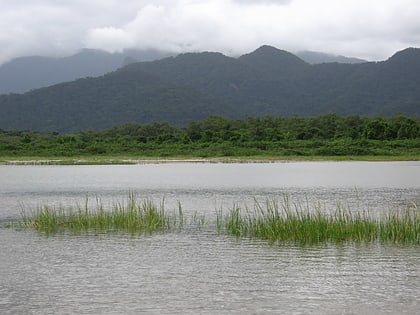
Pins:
x,y
286,222
271,220
132,216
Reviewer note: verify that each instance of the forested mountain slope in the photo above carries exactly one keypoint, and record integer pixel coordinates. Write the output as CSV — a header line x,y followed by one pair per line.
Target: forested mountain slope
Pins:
x,y
194,86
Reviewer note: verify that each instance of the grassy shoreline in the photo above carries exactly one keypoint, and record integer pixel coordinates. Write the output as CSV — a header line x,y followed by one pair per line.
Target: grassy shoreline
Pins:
x,y
124,160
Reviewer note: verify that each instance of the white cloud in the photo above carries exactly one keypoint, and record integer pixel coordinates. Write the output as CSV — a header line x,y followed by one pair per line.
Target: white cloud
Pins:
x,y
109,38
369,29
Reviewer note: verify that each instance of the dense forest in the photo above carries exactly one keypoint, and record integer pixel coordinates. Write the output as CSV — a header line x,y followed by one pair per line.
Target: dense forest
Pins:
x,y
194,86
273,136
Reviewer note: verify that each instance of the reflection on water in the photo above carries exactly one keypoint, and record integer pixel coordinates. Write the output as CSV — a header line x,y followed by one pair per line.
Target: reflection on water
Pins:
x,y
198,271
202,273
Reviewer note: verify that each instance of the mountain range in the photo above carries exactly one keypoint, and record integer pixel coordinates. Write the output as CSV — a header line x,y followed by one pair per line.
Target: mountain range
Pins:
x,y
33,72
23,74
192,86
315,57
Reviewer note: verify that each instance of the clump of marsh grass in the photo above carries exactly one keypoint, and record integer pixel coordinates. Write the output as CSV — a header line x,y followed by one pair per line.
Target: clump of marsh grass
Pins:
x,y
270,220
131,216
284,222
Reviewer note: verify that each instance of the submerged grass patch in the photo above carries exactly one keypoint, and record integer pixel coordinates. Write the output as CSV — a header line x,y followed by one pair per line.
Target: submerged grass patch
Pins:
x,y
284,222
132,216
274,221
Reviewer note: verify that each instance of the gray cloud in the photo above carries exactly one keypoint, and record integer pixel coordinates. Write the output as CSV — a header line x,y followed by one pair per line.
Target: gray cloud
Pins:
x,y
256,2
368,29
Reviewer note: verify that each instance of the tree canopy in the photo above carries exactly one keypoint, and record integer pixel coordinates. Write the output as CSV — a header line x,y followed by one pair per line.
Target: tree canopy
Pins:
x,y
218,136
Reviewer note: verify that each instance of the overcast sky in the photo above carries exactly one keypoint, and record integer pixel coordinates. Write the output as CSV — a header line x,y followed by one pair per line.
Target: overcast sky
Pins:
x,y
369,29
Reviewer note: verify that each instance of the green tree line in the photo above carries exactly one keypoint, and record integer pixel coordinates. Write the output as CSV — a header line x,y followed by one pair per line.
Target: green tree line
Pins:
x,y
218,136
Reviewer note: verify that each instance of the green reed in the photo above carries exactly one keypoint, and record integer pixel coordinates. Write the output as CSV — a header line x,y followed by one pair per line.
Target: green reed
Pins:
x,y
286,222
132,216
272,220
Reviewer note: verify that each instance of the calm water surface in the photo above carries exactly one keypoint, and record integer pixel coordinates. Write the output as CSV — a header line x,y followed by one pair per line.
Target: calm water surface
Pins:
x,y
197,271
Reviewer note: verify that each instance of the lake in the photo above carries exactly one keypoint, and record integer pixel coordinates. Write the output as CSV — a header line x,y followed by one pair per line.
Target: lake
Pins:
x,y
197,271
